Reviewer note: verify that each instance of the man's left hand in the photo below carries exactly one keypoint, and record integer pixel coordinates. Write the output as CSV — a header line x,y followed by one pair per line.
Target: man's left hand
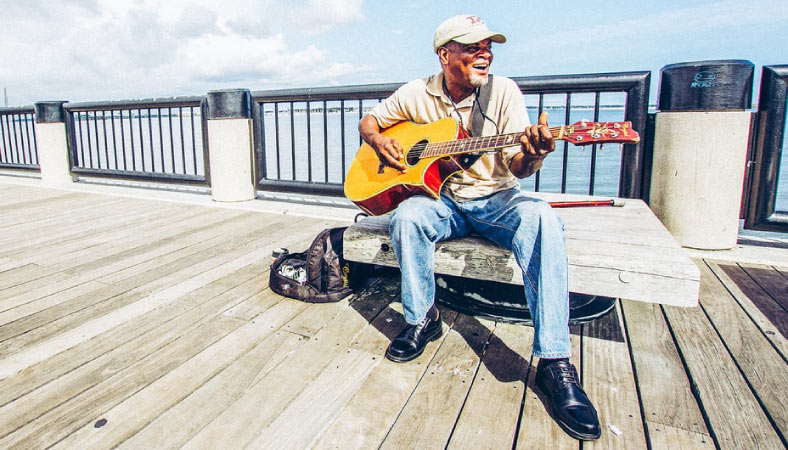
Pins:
x,y
537,141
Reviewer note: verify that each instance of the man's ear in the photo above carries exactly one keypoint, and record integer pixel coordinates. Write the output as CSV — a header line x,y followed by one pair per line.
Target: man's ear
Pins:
x,y
443,55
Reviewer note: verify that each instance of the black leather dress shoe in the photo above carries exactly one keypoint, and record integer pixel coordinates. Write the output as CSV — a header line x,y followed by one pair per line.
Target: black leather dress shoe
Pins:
x,y
411,341
571,407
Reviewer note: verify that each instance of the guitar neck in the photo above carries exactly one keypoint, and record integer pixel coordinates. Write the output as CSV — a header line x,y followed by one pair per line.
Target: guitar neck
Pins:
x,y
484,143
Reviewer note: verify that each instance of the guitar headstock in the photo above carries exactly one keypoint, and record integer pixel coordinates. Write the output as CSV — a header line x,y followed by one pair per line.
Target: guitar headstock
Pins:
x,y
586,133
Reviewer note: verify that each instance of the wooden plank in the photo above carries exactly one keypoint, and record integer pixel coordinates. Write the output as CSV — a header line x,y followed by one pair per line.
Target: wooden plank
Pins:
x,y
136,411
759,297
666,437
388,387
301,423
537,425
242,421
665,392
610,384
150,287
87,406
732,411
761,320
761,364
774,283
176,426
90,362
228,262
428,418
491,412
659,273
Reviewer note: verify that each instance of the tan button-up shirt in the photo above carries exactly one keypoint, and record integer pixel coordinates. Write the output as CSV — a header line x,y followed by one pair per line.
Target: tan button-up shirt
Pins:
x,y
423,101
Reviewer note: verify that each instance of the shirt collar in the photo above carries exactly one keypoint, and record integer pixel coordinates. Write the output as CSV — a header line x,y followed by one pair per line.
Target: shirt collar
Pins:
x,y
435,88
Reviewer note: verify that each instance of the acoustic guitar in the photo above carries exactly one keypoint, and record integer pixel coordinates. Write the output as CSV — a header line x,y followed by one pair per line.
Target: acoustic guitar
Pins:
x,y
435,151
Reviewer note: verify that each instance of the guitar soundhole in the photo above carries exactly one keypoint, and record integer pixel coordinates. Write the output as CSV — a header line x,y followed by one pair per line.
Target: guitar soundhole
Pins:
x,y
414,154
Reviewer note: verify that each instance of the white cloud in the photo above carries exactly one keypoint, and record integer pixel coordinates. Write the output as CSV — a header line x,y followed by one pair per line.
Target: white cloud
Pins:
x,y
96,50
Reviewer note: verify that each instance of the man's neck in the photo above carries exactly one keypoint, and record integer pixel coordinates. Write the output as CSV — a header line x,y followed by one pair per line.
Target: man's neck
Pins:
x,y
455,91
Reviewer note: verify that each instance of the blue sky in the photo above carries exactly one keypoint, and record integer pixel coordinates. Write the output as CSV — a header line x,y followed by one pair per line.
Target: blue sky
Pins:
x,y
115,49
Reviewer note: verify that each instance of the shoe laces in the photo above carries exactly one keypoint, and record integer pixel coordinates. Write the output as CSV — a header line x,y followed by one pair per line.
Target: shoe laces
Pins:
x,y
565,374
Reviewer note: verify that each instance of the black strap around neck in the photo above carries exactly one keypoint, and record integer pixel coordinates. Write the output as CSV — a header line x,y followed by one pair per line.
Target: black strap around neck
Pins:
x,y
482,100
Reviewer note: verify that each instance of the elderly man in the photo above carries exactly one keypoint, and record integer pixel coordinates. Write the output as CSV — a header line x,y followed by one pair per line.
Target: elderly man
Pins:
x,y
485,199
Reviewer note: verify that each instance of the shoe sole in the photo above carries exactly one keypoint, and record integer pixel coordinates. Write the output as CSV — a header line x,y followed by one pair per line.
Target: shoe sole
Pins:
x,y
563,425
430,338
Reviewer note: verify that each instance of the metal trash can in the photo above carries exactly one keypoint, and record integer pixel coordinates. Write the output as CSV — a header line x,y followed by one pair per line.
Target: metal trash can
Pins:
x,y
700,149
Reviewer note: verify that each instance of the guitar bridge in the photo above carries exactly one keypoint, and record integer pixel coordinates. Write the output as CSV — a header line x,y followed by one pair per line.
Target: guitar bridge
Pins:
x,y
380,167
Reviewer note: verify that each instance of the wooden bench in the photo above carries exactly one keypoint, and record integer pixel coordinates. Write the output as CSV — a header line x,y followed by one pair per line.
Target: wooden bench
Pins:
x,y
620,252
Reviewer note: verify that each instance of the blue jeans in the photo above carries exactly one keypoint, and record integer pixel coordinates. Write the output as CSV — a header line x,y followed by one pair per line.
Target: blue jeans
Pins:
x,y
511,219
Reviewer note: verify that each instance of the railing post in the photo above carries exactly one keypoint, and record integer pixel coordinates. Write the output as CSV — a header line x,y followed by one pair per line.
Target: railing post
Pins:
x,y
51,143
700,149
230,145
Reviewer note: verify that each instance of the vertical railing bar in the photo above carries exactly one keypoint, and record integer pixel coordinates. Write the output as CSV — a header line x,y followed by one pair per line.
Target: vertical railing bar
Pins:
x,y
309,140
263,146
592,180
276,138
292,141
6,152
161,141
360,116
172,139
142,140
325,140
90,137
131,138
81,141
16,139
106,142
150,139
114,138
194,142
122,139
183,143
539,113
2,133
342,129
35,142
25,140
565,165
96,138
29,142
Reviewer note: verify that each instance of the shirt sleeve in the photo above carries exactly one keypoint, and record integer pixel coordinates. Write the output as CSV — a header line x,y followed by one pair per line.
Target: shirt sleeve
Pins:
x,y
395,108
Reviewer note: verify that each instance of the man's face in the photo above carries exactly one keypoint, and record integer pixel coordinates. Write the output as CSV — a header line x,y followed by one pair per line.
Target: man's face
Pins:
x,y
469,64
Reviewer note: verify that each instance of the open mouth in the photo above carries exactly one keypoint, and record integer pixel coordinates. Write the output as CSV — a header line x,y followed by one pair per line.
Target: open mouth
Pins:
x,y
481,66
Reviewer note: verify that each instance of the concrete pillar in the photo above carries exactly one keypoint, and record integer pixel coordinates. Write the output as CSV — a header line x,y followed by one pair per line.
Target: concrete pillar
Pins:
x,y
700,150
51,144
231,145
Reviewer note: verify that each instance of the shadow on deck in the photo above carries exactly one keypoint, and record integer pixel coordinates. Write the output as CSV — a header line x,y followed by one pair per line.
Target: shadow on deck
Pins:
x,y
139,323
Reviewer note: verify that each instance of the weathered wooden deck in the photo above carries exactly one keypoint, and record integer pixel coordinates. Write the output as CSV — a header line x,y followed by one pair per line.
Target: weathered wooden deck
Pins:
x,y
148,324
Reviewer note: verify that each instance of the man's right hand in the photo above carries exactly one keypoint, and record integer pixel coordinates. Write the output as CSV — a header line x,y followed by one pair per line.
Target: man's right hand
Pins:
x,y
388,149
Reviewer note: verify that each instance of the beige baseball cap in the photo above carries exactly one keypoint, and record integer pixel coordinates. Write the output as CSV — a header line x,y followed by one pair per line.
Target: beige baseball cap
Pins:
x,y
465,29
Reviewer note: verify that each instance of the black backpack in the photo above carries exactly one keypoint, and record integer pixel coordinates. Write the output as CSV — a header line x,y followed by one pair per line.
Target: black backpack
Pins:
x,y
318,275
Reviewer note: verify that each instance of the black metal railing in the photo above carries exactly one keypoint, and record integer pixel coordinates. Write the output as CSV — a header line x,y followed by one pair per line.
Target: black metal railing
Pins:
x,y
305,139
18,138
762,211
157,139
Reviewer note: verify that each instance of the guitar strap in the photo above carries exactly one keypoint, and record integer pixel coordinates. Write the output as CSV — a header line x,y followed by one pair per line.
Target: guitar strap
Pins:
x,y
477,120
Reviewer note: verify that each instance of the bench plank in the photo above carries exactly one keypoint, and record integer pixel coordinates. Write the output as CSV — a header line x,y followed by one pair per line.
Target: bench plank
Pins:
x,y
622,252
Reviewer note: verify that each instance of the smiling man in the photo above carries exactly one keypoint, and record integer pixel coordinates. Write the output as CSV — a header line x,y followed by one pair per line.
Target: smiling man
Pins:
x,y
485,198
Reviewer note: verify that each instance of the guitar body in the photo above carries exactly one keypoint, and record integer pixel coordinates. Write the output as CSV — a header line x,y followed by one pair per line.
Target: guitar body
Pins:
x,y
379,193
